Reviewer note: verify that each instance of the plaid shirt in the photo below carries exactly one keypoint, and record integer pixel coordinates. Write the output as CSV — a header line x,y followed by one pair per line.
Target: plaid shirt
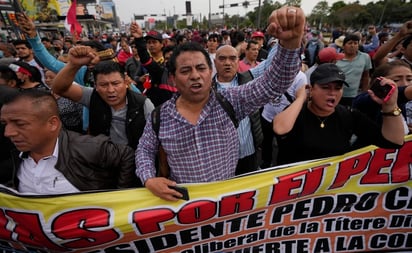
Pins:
x,y
209,150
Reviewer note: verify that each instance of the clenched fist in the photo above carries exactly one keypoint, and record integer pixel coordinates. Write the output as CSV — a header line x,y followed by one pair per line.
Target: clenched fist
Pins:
x,y
287,24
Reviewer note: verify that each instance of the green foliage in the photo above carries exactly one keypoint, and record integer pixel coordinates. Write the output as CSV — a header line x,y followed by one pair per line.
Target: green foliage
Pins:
x,y
356,15
296,3
352,15
266,9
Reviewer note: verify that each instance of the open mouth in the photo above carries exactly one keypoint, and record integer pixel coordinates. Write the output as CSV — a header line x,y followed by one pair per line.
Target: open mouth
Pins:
x,y
111,98
195,87
331,102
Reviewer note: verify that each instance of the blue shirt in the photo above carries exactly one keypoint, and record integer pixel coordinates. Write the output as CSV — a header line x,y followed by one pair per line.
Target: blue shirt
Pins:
x,y
54,65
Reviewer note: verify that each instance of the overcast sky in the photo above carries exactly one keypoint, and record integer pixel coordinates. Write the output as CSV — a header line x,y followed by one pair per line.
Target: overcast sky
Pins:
x,y
126,8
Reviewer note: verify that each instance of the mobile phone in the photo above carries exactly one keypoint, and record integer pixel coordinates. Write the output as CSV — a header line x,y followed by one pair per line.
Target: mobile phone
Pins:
x,y
382,91
17,6
182,190
107,54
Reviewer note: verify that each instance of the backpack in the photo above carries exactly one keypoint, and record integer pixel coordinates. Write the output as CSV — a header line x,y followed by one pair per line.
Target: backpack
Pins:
x,y
311,51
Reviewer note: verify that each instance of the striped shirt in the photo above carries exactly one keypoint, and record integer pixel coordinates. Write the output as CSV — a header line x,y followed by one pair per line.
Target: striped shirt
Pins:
x,y
209,150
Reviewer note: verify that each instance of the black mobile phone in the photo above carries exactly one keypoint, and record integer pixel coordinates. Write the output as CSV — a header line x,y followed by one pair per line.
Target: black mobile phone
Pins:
x,y
182,190
17,6
382,91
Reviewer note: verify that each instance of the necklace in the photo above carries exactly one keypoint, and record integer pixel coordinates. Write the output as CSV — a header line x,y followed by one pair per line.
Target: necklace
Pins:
x,y
322,121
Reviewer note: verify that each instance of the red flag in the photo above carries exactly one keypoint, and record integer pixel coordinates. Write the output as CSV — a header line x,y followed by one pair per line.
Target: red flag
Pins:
x,y
71,23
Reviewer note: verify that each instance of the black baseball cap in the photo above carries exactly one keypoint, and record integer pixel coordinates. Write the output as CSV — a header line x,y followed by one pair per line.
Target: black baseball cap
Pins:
x,y
327,73
154,35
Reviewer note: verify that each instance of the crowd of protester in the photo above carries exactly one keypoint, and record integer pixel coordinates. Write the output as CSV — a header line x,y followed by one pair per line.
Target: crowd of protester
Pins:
x,y
155,109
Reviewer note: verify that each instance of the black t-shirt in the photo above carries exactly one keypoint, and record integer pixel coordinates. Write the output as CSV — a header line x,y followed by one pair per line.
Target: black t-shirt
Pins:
x,y
308,140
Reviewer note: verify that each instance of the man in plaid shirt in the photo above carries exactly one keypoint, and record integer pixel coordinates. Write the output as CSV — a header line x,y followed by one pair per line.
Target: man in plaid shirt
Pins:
x,y
197,134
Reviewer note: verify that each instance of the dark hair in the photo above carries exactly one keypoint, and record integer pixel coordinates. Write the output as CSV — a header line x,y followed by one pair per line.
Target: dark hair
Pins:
x,y
7,74
94,44
407,41
384,69
41,100
180,38
382,35
187,47
254,42
167,49
45,39
350,37
107,67
216,36
237,37
35,72
22,42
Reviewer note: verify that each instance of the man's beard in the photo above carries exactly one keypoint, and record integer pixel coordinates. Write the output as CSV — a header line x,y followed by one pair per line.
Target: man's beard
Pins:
x,y
24,57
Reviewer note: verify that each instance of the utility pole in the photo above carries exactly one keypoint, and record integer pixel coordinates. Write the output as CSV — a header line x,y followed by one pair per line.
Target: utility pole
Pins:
x,y
224,13
210,16
259,15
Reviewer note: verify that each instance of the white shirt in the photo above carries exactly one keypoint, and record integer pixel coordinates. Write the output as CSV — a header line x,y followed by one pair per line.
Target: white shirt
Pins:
x,y
42,177
270,110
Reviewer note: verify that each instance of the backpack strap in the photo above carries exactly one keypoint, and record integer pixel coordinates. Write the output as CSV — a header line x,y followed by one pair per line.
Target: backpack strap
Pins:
x,y
156,120
227,106
162,168
288,97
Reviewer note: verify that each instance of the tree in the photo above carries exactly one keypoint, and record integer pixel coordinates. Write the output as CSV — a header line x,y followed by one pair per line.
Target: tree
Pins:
x,y
334,20
296,3
338,5
319,13
266,9
353,15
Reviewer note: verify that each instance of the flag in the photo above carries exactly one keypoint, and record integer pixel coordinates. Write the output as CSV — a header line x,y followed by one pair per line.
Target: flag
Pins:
x,y
71,23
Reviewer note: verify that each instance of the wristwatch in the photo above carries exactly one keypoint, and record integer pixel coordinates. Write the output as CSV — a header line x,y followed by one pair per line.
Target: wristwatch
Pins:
x,y
396,112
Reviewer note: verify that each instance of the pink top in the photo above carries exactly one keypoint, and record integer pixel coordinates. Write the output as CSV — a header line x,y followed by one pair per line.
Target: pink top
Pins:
x,y
245,65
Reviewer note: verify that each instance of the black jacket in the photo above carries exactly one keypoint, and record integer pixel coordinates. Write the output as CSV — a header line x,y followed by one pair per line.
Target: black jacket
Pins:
x,y
101,117
6,166
162,89
91,163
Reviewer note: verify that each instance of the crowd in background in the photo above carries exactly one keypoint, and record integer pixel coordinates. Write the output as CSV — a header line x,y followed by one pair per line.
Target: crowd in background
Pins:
x,y
85,77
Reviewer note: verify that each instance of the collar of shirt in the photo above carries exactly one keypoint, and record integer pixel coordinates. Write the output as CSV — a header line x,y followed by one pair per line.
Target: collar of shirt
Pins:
x,y
55,154
124,107
249,63
219,85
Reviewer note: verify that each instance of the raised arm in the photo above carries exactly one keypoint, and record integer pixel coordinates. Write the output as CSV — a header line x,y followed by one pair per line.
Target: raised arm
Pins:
x,y
287,24
385,49
63,82
155,70
285,120
392,126
48,60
